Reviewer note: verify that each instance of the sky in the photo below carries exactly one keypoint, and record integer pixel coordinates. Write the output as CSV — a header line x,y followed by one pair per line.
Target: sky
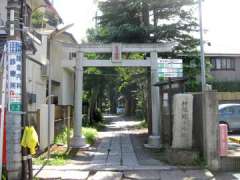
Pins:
x,y
220,18
222,25
79,12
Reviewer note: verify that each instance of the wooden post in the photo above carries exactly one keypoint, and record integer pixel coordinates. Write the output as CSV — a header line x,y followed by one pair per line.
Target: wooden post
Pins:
x,y
161,94
170,108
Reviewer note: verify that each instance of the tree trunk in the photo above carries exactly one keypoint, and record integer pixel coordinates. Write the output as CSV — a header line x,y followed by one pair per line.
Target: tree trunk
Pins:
x,y
93,104
130,105
145,14
133,106
113,100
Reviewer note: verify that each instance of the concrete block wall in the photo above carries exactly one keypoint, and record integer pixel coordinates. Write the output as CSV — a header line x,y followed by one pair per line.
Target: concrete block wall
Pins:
x,y
228,97
205,127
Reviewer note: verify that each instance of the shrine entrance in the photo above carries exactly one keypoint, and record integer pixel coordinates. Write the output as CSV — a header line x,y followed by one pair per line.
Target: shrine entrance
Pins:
x,y
116,49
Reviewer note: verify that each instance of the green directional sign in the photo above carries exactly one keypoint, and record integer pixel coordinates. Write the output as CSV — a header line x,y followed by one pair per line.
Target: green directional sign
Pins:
x,y
15,106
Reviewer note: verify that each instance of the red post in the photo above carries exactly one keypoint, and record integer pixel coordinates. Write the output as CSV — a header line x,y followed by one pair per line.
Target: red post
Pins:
x,y
4,152
223,140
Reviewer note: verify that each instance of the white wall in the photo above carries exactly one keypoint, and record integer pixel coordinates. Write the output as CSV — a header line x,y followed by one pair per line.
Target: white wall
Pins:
x,y
41,54
3,10
43,138
67,88
35,84
60,52
64,86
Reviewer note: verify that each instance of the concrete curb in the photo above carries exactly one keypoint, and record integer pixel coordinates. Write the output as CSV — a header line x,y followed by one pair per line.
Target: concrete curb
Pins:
x,y
117,168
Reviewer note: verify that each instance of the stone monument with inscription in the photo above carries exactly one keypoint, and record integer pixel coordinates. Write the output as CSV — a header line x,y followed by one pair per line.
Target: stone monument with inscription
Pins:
x,y
182,121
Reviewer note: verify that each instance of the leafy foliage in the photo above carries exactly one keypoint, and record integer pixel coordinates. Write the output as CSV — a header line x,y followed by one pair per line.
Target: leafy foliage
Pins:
x,y
226,86
90,135
142,21
61,138
40,19
129,21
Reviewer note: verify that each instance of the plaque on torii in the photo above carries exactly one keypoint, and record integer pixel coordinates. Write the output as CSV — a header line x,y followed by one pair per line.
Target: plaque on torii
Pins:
x,y
116,52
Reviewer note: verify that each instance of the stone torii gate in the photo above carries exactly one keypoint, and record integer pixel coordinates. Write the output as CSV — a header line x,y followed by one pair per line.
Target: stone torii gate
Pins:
x,y
117,49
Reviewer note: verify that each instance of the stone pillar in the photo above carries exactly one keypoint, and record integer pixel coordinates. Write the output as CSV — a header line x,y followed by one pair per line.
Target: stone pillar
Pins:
x,y
154,139
77,140
182,121
210,129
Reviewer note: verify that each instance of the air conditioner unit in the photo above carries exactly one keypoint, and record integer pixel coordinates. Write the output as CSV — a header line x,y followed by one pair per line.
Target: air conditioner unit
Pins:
x,y
44,70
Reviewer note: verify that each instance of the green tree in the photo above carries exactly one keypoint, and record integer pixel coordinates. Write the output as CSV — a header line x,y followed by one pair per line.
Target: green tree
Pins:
x,y
41,18
100,88
143,21
38,20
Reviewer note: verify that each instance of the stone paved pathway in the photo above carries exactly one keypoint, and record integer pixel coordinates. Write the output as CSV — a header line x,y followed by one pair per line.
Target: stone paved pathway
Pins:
x,y
115,159
116,148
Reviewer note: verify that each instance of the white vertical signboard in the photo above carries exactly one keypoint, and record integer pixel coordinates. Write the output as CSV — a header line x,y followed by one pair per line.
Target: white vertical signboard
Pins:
x,y
170,68
14,75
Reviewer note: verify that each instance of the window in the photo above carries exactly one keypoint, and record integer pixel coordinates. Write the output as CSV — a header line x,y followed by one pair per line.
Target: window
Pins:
x,y
32,98
227,111
19,67
12,61
223,63
72,55
237,110
12,73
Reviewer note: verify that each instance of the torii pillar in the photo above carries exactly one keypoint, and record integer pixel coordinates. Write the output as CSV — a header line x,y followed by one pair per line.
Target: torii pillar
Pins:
x,y
154,138
78,141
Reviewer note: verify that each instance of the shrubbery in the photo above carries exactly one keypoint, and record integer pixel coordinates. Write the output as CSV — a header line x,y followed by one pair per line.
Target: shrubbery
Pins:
x,y
90,135
61,138
226,86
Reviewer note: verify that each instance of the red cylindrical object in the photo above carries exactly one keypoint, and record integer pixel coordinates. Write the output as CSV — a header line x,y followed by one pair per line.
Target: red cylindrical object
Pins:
x,y
4,152
223,139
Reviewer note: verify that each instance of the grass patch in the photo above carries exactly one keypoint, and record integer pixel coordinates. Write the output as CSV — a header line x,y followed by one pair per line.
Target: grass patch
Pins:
x,y
59,156
90,135
143,124
56,159
61,138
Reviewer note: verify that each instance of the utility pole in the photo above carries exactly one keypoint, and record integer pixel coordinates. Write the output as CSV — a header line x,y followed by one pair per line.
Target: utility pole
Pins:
x,y
26,157
203,66
14,76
